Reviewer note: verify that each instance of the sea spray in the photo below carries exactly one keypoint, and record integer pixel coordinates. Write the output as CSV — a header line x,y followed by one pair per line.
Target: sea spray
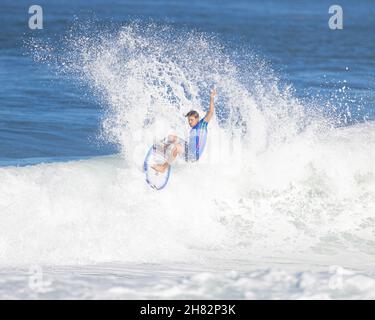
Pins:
x,y
277,178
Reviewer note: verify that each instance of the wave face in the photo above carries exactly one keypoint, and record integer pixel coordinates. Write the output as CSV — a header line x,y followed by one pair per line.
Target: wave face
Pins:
x,y
278,181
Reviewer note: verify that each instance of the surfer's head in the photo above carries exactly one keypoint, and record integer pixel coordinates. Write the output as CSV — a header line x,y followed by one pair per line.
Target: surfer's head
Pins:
x,y
193,118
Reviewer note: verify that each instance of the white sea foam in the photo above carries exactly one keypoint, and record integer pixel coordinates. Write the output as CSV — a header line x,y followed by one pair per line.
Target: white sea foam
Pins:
x,y
309,201
184,282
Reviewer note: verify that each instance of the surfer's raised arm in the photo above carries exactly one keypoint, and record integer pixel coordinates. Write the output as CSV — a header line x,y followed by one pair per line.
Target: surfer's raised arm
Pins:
x,y
211,111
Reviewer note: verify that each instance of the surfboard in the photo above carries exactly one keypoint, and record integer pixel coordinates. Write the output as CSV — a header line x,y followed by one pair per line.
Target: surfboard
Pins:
x,y
155,155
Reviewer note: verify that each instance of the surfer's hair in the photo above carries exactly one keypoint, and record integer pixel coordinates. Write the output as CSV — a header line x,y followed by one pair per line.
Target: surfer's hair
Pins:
x,y
192,113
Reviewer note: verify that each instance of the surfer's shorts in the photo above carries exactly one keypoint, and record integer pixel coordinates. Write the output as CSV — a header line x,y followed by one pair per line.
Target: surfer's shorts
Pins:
x,y
166,150
188,154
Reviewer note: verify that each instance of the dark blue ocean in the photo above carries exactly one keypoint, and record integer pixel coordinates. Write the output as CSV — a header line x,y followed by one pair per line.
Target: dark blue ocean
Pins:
x,y
46,116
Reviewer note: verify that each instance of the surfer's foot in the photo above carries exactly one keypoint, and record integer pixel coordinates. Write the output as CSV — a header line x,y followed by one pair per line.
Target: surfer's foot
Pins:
x,y
160,167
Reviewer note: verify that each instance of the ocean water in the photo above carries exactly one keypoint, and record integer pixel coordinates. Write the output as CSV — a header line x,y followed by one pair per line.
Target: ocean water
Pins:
x,y
281,206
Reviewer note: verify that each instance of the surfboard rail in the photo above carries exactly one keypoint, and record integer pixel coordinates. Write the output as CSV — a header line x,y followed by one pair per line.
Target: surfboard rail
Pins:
x,y
155,180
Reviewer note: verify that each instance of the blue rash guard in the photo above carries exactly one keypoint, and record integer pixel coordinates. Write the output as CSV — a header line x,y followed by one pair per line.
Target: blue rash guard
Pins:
x,y
197,141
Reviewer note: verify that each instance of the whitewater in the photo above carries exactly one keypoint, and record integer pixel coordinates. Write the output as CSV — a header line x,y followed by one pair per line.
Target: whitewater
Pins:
x,y
281,205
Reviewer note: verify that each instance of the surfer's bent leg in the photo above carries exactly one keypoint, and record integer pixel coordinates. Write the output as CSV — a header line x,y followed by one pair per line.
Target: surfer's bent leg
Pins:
x,y
177,149
166,142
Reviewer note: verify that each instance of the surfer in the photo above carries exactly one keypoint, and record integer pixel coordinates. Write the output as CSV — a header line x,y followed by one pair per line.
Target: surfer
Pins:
x,y
192,149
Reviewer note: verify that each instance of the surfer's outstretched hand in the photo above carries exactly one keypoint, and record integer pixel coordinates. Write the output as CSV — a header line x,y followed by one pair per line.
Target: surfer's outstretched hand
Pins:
x,y
211,110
